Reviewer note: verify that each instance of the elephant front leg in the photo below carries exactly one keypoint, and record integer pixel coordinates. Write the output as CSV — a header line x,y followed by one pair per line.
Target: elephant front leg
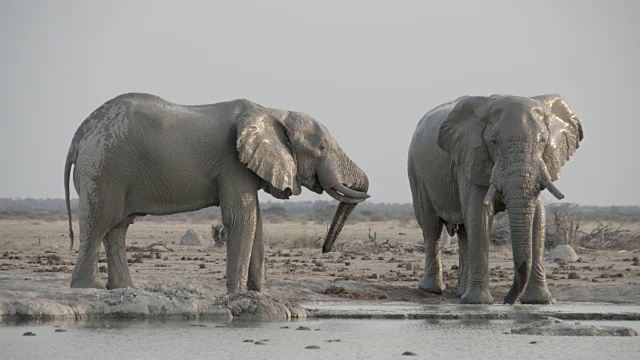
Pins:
x,y
256,263
478,221
463,267
239,216
536,291
117,267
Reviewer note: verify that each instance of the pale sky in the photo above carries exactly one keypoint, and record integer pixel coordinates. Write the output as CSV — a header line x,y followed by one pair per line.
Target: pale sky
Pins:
x,y
367,70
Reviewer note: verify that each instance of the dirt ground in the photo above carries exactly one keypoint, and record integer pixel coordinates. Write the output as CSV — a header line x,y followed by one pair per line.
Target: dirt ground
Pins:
x,y
37,252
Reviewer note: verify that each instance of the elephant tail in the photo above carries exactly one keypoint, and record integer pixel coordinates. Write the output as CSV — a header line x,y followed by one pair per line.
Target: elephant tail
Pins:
x,y
71,158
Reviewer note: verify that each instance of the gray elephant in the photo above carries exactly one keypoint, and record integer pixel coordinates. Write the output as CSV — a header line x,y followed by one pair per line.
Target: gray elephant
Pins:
x,y
476,156
138,154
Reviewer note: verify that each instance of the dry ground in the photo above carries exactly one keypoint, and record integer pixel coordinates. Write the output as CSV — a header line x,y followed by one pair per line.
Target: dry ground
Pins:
x,y
387,270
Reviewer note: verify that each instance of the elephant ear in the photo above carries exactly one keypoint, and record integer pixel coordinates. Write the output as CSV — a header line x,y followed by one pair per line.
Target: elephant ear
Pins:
x,y
565,133
461,136
264,148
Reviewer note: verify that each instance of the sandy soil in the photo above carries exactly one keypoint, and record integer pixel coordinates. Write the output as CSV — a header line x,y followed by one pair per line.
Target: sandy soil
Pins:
x,y
35,262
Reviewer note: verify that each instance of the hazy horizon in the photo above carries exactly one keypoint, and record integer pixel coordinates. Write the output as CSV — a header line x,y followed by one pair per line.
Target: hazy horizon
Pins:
x,y
367,71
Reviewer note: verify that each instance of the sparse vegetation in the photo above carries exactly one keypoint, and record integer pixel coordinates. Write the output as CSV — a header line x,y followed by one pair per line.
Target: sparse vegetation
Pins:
x,y
219,235
566,223
608,237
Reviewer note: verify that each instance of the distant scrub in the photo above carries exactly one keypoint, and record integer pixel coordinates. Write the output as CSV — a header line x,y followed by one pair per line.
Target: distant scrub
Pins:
x,y
316,211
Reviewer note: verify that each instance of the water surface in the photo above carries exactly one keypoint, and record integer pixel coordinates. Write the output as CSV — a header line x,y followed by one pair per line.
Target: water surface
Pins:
x,y
359,339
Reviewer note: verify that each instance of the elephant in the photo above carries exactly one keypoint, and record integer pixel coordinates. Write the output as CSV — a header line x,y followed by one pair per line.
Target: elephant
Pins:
x,y
479,155
139,154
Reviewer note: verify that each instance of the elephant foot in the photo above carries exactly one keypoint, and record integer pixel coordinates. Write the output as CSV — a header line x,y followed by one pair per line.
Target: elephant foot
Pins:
x,y
461,291
537,295
236,288
118,277
477,296
431,284
257,286
87,284
119,284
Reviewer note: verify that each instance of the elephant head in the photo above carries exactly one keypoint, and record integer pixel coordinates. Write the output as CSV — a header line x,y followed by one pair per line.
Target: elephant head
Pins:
x,y
288,150
515,146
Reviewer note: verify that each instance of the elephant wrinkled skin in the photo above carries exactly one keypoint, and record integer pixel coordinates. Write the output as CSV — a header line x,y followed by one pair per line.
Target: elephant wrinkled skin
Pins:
x,y
476,156
138,154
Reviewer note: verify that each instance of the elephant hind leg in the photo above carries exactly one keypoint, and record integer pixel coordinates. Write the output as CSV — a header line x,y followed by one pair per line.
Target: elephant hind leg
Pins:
x,y
85,272
256,264
431,226
115,248
97,217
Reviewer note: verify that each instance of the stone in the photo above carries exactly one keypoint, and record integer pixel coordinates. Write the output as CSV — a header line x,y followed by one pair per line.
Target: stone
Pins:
x,y
191,238
257,307
563,253
556,327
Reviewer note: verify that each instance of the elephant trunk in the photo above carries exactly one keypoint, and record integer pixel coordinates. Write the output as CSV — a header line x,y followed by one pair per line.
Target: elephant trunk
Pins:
x,y
350,187
521,213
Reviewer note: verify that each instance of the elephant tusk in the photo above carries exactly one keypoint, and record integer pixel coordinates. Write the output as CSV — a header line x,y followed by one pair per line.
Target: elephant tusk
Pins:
x,y
491,195
554,190
342,198
548,184
354,194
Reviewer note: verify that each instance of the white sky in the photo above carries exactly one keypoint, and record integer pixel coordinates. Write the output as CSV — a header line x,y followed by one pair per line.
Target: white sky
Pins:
x,y
367,70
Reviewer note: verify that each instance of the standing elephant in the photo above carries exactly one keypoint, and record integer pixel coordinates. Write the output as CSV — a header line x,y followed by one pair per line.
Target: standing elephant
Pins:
x,y
476,156
138,154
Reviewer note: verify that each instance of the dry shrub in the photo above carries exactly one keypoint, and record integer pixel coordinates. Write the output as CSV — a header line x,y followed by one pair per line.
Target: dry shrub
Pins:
x,y
354,245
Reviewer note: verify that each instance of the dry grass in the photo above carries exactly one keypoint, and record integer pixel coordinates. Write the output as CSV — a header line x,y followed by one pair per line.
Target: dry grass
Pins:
x,y
504,252
305,242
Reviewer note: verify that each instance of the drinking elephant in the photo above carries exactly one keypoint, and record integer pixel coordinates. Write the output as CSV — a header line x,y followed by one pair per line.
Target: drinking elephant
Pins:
x,y
138,154
476,156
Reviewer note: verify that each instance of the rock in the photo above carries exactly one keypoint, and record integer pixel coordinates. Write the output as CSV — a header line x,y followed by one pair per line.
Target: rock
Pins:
x,y
29,333
409,353
192,238
556,327
313,347
259,343
258,307
573,275
563,253
60,330
303,328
